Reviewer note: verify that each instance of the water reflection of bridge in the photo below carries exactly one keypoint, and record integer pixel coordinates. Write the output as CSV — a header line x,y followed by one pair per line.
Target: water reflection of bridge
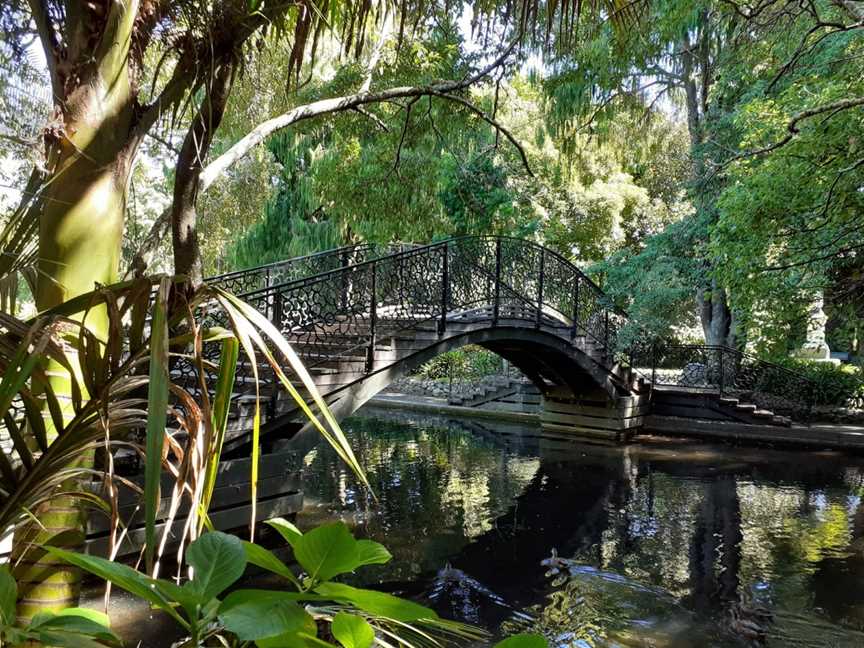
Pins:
x,y
693,518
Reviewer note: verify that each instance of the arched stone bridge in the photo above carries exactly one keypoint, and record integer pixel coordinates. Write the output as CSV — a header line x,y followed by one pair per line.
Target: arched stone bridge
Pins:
x,y
361,317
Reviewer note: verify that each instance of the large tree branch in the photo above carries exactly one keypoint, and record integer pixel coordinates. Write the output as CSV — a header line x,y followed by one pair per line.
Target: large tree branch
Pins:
x,y
443,90
201,56
184,217
492,122
793,126
337,104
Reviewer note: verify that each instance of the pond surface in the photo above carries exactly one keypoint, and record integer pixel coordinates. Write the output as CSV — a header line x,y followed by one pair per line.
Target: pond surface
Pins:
x,y
662,543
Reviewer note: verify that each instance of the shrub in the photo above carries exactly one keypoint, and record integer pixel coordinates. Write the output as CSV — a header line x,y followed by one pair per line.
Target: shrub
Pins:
x,y
837,385
468,363
212,612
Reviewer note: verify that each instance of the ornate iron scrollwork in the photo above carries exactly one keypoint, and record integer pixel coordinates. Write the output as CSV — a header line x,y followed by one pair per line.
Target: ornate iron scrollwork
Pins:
x,y
336,306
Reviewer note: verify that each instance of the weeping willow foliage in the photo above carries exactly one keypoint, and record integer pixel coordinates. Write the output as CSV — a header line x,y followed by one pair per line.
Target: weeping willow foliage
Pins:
x,y
294,222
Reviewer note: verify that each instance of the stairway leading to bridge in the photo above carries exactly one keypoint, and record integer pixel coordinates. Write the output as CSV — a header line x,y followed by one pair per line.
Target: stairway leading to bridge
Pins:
x,y
360,317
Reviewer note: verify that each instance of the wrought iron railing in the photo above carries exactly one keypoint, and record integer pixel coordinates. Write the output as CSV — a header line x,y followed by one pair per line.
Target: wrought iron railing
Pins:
x,y
337,305
250,279
512,277
728,373
340,312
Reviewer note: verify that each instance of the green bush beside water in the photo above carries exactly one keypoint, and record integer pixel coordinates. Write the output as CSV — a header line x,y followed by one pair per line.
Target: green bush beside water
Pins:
x,y
835,385
471,362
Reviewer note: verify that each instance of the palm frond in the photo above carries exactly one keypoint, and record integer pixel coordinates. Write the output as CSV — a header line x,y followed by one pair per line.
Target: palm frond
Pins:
x,y
164,374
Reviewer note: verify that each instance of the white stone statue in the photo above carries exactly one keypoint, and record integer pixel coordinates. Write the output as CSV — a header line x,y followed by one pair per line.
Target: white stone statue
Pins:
x,y
815,347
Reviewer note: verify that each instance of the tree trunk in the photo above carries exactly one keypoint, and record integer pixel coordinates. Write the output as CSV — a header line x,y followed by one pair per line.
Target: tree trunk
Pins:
x,y
718,321
715,547
80,233
692,96
190,162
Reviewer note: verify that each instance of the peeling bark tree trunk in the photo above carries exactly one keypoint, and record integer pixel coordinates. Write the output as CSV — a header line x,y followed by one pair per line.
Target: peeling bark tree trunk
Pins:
x,y
190,163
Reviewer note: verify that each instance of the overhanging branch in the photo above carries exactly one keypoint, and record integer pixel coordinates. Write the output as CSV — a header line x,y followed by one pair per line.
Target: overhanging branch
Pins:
x,y
793,126
444,90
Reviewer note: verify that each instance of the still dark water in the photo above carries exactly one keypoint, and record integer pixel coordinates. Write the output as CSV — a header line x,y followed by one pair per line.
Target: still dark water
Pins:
x,y
665,543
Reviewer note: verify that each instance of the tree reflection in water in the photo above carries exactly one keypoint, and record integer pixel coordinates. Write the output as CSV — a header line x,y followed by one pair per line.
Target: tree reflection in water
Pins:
x,y
667,542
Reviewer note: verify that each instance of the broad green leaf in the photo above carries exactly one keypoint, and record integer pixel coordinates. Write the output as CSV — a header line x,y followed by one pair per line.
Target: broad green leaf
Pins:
x,y
186,596
287,530
377,603
66,639
8,596
218,560
157,407
92,623
259,614
352,631
370,552
261,557
294,640
122,576
330,550
326,551
523,641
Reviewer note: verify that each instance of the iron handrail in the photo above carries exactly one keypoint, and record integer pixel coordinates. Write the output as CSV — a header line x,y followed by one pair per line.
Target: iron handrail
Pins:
x,y
284,262
761,373
419,249
606,304
742,354
345,254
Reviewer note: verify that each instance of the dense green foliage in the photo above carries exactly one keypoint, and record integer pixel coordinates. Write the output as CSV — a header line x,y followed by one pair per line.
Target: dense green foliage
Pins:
x,y
467,363
833,385
657,195
293,223
773,112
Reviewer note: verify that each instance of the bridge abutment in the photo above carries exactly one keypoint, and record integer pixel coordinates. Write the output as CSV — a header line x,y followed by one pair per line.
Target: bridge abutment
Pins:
x,y
593,415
